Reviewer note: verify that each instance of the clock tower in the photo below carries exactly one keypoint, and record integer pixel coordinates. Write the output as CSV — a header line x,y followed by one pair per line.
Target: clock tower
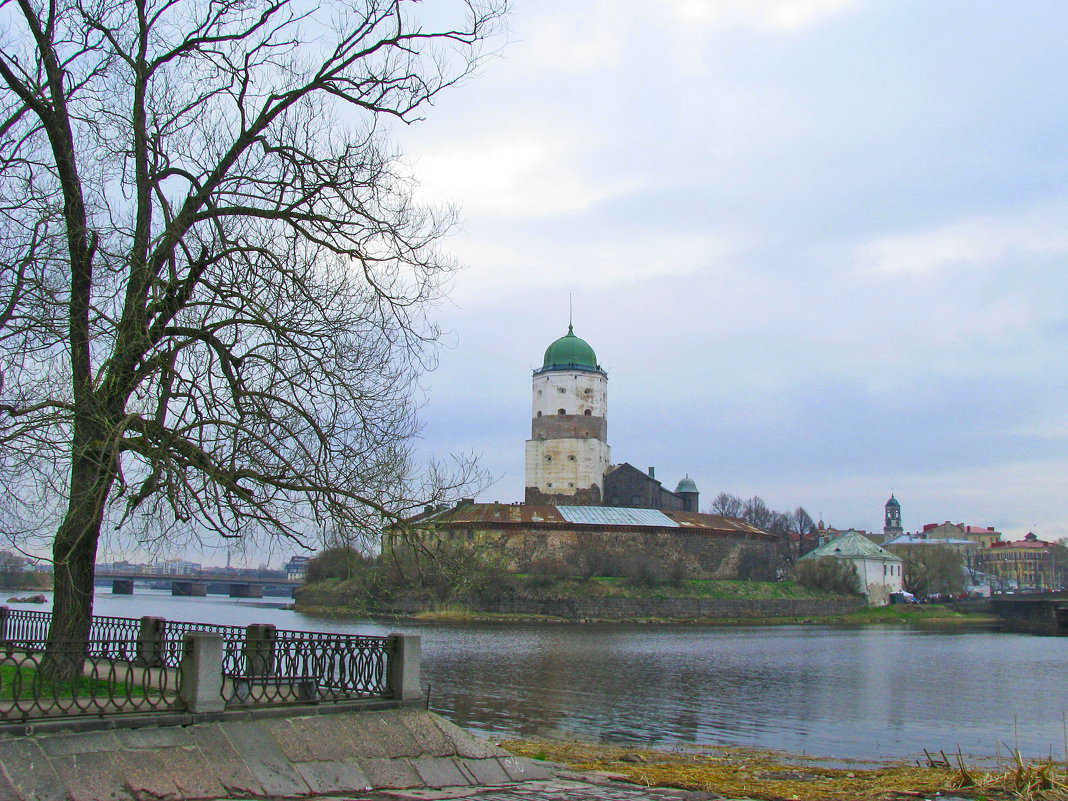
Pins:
x,y
892,528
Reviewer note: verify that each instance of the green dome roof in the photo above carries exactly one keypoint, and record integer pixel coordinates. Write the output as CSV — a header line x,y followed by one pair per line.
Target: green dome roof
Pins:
x,y
686,485
570,353
892,501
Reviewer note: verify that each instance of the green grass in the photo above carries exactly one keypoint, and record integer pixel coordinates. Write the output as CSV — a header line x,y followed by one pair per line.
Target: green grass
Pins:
x,y
28,683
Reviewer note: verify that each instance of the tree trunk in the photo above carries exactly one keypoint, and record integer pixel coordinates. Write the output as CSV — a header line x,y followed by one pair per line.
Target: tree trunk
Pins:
x,y
74,555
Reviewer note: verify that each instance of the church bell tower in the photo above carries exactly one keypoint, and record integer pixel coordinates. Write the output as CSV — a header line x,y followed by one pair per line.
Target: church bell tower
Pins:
x,y
892,528
567,454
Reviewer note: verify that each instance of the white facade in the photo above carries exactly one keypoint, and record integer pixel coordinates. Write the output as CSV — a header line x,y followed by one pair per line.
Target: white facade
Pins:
x,y
573,391
878,570
879,578
561,466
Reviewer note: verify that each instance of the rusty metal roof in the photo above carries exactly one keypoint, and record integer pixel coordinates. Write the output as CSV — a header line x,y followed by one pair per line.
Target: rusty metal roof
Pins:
x,y
474,515
699,520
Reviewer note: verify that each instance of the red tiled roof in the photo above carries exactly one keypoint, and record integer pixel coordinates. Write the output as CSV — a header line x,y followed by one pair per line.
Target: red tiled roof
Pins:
x,y
1021,544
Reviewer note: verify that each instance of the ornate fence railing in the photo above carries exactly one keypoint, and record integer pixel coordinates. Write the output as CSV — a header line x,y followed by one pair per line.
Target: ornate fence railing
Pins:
x,y
30,628
131,665
63,681
287,666
173,631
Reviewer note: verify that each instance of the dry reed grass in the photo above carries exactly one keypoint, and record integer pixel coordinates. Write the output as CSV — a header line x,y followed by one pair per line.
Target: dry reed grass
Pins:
x,y
773,776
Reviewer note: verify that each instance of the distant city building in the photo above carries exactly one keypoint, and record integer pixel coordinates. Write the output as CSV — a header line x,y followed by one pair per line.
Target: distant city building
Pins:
x,y
968,549
984,537
297,567
1023,564
878,570
173,567
122,566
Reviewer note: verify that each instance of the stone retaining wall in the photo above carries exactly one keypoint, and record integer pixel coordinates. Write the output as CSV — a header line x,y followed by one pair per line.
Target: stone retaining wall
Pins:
x,y
296,755
623,609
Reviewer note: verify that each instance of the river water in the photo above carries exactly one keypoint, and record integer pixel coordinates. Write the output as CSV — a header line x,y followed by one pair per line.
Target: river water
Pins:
x,y
849,693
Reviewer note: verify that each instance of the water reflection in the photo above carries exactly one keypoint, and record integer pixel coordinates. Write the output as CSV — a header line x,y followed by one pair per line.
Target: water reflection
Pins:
x,y
850,693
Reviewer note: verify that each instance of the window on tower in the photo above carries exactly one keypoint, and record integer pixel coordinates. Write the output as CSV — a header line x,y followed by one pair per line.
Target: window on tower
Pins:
x,y
539,414
588,413
561,411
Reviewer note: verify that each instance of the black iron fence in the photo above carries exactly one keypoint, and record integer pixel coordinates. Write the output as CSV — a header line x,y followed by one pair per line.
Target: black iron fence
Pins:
x,y
131,665
30,627
272,666
70,679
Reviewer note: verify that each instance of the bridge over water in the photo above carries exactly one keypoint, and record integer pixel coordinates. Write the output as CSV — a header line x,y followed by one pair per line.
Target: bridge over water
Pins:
x,y
200,583
1035,612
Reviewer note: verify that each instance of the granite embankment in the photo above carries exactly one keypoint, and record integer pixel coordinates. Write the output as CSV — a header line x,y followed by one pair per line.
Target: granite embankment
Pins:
x,y
347,598
292,755
638,609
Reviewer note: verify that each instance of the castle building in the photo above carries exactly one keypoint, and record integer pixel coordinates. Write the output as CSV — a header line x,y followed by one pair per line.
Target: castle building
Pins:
x,y
567,454
570,481
568,459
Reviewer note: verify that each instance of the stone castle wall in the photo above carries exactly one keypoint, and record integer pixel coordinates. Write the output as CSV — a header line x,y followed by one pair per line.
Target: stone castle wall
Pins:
x,y
707,555
624,609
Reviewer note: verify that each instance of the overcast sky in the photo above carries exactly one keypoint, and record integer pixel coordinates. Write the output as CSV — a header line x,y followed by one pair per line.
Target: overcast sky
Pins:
x,y
820,247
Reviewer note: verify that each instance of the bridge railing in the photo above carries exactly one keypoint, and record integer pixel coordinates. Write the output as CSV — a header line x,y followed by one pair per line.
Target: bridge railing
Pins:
x,y
132,665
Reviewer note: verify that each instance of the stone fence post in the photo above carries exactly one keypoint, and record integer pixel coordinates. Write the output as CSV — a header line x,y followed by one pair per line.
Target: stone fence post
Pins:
x,y
259,649
5,613
201,680
150,642
404,667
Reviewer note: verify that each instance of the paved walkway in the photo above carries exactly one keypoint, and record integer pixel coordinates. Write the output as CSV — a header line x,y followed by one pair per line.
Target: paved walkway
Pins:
x,y
565,787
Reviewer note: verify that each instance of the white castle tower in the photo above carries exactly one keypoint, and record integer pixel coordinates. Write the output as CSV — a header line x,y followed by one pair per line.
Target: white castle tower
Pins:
x,y
568,453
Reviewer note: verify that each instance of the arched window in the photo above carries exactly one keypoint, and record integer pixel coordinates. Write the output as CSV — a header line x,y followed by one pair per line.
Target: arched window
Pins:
x,y
588,413
561,411
539,414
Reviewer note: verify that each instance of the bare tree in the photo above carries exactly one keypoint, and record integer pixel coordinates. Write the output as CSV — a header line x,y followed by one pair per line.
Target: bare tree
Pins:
x,y
802,525
214,279
757,513
930,569
727,505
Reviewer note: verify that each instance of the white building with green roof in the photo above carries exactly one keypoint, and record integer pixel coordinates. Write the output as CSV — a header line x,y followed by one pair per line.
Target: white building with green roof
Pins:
x,y
878,570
